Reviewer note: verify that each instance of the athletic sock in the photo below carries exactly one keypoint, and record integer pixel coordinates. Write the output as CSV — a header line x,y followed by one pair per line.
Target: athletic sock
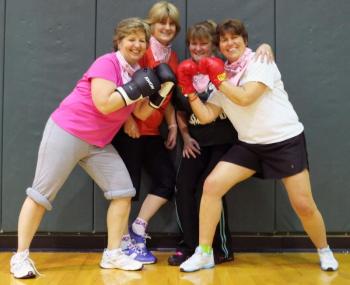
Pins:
x,y
139,226
126,240
206,248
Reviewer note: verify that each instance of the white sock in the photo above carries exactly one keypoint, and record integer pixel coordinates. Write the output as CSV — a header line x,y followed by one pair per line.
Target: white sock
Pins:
x,y
323,250
139,226
22,253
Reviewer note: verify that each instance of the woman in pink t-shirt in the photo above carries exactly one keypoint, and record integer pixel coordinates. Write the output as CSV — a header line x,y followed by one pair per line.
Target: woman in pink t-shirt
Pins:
x,y
80,131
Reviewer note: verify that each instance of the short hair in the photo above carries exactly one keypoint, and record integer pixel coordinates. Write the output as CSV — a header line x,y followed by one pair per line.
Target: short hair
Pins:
x,y
233,26
128,26
162,10
202,30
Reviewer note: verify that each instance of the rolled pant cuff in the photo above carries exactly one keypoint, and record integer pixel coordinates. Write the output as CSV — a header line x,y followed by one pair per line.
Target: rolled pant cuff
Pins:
x,y
110,195
39,198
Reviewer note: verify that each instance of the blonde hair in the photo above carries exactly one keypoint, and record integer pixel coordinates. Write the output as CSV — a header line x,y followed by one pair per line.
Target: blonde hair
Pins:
x,y
162,10
128,26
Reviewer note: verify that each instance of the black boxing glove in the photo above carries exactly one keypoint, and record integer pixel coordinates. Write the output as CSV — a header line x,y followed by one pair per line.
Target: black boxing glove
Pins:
x,y
165,73
168,80
143,84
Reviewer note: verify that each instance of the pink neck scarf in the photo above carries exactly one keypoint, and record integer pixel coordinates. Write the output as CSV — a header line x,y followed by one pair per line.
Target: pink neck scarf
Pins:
x,y
236,69
127,69
160,52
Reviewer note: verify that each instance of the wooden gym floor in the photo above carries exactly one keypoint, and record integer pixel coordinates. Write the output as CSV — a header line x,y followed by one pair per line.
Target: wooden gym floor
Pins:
x,y
76,268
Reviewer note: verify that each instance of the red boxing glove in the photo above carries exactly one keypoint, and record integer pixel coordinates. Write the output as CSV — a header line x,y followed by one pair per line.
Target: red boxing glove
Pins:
x,y
185,72
214,67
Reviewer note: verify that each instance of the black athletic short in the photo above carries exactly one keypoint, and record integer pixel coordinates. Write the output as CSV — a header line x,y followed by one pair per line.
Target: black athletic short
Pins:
x,y
276,160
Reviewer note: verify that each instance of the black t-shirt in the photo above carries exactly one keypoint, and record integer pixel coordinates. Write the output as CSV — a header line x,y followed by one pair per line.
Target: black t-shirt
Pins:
x,y
221,131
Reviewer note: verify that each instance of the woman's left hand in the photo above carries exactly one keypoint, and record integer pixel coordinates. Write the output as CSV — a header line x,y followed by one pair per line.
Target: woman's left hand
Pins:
x,y
263,52
172,135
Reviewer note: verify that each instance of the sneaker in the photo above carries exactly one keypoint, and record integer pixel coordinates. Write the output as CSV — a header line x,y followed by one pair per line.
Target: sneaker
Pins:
x,y
199,260
22,266
327,260
140,254
117,259
179,257
140,242
218,258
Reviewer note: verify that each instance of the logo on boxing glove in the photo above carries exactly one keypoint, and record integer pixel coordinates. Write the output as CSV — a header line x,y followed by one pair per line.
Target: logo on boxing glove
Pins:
x,y
221,76
149,82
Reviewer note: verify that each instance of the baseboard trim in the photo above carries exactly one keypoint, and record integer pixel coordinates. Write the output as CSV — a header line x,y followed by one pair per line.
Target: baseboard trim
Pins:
x,y
168,242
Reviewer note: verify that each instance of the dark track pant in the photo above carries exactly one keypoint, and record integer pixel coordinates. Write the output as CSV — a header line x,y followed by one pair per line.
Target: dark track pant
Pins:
x,y
189,186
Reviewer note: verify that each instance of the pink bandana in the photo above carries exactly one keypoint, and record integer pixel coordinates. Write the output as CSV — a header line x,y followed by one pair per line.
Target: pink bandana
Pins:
x,y
236,69
160,52
127,69
200,82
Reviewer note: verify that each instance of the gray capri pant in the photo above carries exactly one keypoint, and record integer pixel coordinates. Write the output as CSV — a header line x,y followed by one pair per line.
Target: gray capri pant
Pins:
x,y
59,153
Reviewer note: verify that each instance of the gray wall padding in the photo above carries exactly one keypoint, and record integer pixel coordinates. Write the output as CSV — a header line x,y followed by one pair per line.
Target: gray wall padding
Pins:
x,y
2,32
313,55
48,46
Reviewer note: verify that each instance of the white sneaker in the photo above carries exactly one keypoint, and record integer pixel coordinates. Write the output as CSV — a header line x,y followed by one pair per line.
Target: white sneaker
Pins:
x,y
22,266
199,260
327,260
117,259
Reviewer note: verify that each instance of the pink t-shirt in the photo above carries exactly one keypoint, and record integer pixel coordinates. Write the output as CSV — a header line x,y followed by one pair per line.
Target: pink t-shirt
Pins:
x,y
77,113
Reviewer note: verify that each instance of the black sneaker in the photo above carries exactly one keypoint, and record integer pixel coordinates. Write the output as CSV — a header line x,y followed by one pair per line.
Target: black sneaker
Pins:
x,y
218,258
178,258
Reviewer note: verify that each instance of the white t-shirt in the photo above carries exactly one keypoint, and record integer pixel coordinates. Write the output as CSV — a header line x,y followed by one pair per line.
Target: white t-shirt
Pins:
x,y
271,118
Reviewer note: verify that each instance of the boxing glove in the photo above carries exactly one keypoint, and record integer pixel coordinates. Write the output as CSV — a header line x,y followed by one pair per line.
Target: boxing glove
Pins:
x,y
143,84
167,79
185,72
214,67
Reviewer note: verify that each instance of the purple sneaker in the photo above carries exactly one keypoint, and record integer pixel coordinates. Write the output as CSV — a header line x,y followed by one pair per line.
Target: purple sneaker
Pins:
x,y
143,254
137,254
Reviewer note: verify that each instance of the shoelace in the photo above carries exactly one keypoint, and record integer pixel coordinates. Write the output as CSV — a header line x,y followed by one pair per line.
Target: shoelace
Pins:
x,y
144,237
327,257
135,248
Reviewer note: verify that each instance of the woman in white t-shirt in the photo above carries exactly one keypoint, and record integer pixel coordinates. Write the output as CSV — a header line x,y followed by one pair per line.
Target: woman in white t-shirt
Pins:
x,y
271,140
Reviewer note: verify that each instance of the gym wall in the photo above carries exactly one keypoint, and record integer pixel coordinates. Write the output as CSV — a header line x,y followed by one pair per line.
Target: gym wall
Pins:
x,y
45,47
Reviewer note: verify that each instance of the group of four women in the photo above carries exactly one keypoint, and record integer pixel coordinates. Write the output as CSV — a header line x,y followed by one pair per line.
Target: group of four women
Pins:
x,y
122,100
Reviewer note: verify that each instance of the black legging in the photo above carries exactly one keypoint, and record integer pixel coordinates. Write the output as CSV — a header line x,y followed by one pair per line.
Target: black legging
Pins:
x,y
189,186
149,153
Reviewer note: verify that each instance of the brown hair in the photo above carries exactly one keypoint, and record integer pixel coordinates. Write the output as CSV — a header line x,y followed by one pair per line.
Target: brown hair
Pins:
x,y
233,26
129,26
202,30
162,10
